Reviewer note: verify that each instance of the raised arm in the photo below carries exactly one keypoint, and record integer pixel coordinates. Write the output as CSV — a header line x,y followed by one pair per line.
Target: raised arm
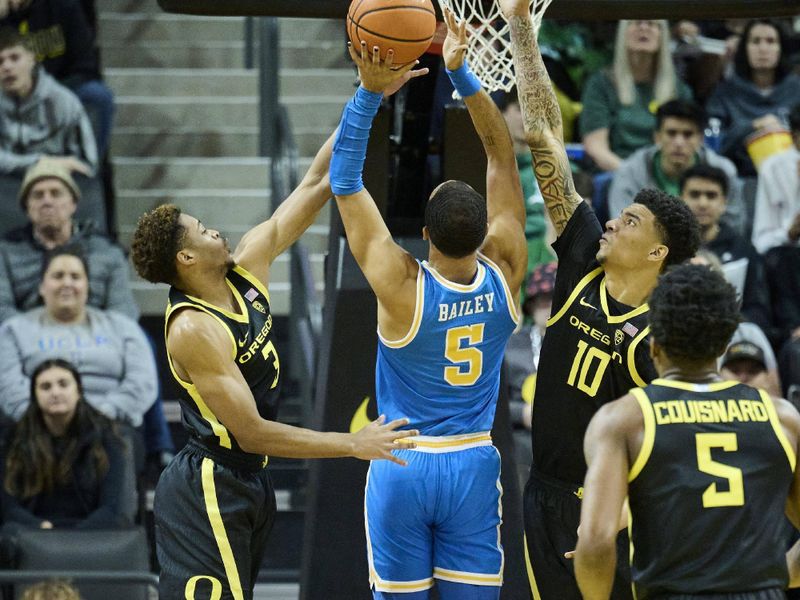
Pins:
x,y
264,243
222,387
541,117
505,243
390,270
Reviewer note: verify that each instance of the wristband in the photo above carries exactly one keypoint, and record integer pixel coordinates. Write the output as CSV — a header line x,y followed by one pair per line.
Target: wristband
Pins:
x,y
350,145
464,80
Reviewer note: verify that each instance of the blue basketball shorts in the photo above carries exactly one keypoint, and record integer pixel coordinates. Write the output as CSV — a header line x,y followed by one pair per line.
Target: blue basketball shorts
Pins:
x,y
439,517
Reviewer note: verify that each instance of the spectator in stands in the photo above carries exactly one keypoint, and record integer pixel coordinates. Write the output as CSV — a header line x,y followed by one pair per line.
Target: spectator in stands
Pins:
x,y
777,214
64,42
678,146
758,95
619,105
51,590
522,358
536,225
110,350
63,463
38,116
746,332
49,197
705,190
745,361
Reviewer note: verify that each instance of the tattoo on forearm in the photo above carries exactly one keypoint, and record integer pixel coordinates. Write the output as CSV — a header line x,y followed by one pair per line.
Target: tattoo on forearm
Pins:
x,y
542,120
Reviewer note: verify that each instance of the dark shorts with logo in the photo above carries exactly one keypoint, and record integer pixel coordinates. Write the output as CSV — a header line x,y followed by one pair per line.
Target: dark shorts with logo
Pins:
x,y
552,510
213,514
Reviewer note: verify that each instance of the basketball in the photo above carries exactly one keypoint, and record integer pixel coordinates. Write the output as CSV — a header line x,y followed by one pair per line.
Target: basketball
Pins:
x,y
405,26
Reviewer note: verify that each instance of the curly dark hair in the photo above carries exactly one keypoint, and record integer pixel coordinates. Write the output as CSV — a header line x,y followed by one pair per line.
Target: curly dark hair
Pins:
x,y
157,239
32,464
456,219
693,314
675,223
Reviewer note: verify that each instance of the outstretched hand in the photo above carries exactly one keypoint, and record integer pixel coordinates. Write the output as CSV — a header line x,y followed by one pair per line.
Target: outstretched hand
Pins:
x,y
455,44
376,440
377,75
397,84
512,8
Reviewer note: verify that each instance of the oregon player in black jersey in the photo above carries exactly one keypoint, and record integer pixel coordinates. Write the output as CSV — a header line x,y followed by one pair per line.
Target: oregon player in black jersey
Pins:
x,y
595,347
707,464
214,503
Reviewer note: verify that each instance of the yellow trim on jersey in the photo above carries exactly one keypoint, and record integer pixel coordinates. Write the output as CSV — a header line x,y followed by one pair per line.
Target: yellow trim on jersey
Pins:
x,y
576,291
218,527
686,386
513,308
457,287
465,577
415,322
637,379
529,569
239,318
449,443
619,318
255,281
218,428
778,428
649,437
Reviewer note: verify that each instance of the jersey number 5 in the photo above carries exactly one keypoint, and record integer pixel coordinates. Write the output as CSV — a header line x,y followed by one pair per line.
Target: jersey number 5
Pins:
x,y
712,497
469,356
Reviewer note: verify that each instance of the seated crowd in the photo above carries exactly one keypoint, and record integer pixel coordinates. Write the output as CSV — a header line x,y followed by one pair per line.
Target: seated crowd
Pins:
x,y
78,377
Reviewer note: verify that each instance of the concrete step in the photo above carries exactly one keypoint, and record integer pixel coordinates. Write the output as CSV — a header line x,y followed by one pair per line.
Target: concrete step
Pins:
x,y
133,28
299,53
129,6
177,173
202,112
213,142
224,209
226,82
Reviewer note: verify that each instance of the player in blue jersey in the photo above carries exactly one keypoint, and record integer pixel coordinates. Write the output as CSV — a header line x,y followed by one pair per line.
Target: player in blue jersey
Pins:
x,y
443,325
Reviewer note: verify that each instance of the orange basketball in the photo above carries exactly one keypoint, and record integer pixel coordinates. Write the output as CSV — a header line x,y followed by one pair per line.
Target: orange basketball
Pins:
x,y
405,26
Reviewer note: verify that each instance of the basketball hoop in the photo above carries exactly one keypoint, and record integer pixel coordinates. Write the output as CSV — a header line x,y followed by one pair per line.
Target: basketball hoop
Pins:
x,y
489,53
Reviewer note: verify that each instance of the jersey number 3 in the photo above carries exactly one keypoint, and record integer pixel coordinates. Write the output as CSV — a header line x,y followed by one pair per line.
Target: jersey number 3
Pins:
x,y
712,497
468,358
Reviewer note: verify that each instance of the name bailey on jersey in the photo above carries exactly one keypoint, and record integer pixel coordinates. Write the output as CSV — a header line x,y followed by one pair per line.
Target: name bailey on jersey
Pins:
x,y
478,304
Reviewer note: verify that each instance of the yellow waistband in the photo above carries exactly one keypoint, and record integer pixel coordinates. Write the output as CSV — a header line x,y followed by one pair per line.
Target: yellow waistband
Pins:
x,y
450,443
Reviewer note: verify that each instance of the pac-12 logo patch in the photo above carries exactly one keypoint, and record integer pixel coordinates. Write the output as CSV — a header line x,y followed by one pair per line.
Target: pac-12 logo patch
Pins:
x,y
259,307
619,336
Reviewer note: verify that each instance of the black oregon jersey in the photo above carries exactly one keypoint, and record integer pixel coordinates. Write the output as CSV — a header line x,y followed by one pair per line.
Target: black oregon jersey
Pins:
x,y
708,490
594,351
252,349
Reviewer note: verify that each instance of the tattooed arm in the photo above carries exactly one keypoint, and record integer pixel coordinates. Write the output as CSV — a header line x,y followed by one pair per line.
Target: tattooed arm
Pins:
x,y
541,117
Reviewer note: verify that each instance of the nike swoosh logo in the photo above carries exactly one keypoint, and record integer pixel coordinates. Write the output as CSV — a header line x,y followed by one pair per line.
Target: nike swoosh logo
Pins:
x,y
244,341
586,304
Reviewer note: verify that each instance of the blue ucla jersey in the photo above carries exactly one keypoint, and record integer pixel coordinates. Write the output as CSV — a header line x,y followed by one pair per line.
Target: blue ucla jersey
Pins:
x,y
444,375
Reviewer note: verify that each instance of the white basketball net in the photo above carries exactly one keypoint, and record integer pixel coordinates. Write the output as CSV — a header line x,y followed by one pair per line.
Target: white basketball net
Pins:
x,y
489,54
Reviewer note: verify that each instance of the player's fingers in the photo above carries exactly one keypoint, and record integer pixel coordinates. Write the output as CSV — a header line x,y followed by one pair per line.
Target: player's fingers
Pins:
x,y
462,31
418,72
570,555
380,420
403,433
406,68
404,445
389,58
450,18
353,53
396,423
376,55
396,460
364,51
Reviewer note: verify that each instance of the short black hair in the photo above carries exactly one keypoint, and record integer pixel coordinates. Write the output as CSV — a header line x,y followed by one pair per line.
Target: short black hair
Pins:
x,y
693,314
741,64
681,109
794,119
456,219
676,224
706,171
